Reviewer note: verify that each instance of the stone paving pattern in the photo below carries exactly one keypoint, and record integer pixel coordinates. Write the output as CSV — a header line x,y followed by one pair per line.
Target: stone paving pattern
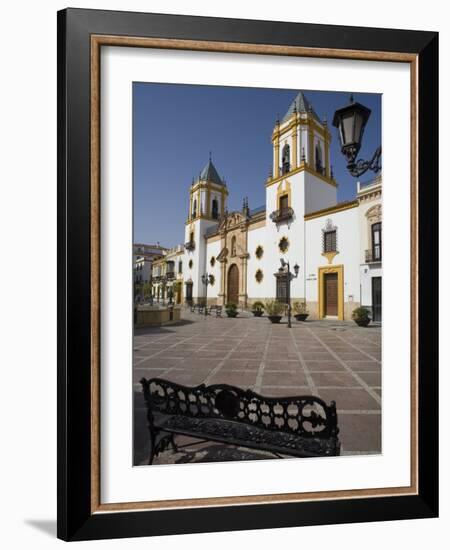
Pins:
x,y
332,359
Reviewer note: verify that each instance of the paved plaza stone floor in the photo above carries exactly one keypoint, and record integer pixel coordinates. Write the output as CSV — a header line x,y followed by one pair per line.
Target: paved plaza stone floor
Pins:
x,y
336,360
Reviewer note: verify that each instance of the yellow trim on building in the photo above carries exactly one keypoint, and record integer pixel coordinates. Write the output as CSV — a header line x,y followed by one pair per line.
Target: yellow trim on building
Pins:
x,y
327,158
310,155
208,201
339,269
276,157
332,210
301,168
330,256
295,144
284,188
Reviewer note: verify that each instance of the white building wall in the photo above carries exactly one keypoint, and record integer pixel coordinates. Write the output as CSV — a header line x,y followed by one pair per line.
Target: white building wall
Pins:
x,y
318,194
198,256
367,271
213,250
346,223
293,231
255,290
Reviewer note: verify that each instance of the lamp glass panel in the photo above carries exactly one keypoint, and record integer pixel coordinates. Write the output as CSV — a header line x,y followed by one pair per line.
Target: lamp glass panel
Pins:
x,y
359,121
347,128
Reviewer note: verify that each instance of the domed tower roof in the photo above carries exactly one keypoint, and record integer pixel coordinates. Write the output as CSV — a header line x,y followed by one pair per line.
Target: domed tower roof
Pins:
x,y
209,173
302,104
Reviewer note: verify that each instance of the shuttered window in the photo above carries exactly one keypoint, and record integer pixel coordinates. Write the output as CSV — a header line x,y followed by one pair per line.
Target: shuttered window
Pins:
x,y
376,241
329,241
284,203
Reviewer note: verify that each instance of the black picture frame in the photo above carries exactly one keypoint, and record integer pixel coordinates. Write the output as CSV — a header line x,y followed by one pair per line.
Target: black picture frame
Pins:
x,y
76,520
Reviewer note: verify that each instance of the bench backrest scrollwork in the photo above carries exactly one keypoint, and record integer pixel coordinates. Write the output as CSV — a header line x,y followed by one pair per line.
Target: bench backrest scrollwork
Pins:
x,y
304,415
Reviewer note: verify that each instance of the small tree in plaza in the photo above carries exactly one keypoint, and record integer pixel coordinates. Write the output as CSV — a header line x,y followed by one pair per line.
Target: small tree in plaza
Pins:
x,y
257,308
231,310
146,290
274,310
361,316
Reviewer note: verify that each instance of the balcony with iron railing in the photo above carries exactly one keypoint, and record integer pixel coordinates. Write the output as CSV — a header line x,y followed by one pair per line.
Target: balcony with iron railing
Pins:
x,y
373,256
282,215
190,245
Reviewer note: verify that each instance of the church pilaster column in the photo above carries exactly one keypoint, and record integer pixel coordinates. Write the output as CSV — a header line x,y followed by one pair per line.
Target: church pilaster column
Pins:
x,y
208,202
276,156
223,270
295,145
310,143
243,286
327,154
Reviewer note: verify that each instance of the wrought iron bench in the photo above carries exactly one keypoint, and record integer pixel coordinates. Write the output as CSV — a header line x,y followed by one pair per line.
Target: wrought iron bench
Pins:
x,y
197,308
300,426
215,309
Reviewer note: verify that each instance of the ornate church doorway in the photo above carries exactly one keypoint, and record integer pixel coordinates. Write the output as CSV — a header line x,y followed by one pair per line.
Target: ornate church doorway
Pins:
x,y
233,285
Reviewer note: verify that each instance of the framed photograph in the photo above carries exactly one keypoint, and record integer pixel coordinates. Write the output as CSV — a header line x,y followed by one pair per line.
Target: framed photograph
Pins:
x,y
247,274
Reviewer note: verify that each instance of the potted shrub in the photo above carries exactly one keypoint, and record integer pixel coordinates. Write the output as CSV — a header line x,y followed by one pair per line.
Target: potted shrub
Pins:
x,y
274,310
258,309
300,311
231,310
361,316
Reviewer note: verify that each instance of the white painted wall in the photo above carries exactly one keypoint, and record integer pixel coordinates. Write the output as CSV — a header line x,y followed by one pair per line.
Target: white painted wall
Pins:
x,y
257,237
213,250
318,194
198,256
347,245
367,271
293,232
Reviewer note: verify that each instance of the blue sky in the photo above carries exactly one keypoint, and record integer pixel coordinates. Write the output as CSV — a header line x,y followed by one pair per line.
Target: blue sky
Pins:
x,y
175,127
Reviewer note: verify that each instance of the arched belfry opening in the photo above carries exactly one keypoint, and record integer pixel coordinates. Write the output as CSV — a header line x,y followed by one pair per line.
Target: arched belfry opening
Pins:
x,y
215,209
286,159
319,159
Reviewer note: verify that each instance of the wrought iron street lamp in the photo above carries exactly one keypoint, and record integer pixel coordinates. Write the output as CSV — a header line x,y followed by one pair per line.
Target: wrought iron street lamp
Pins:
x,y
286,269
351,122
207,280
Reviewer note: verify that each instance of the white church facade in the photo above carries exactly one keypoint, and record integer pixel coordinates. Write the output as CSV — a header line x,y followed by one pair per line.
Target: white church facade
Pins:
x,y
337,245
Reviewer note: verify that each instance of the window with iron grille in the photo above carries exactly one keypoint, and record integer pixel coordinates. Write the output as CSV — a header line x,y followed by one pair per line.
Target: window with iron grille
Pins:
x,y
281,294
329,241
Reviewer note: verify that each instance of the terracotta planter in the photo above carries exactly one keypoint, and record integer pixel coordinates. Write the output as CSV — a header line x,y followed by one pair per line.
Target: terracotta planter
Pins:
x,y
363,322
257,313
301,316
274,318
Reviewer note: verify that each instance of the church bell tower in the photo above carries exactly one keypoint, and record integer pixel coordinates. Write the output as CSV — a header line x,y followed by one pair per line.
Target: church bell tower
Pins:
x,y
207,204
